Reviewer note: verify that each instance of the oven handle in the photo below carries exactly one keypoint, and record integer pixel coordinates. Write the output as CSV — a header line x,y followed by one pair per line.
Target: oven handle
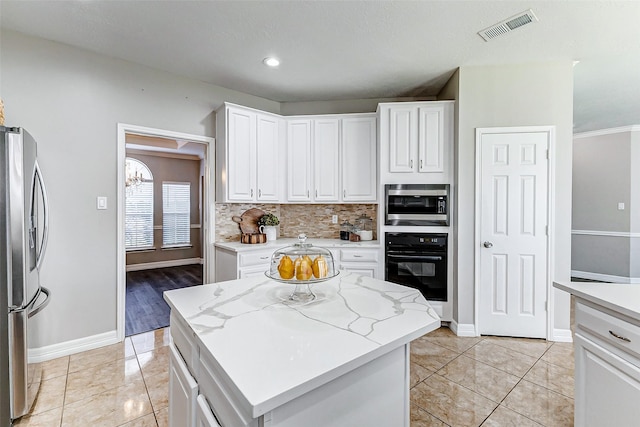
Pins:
x,y
417,257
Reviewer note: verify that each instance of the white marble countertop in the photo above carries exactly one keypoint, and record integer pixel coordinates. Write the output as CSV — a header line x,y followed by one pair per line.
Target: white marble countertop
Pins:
x,y
274,351
622,298
273,245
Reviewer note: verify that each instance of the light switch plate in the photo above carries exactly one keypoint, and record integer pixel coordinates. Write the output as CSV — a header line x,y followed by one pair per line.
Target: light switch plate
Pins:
x,y
620,206
101,202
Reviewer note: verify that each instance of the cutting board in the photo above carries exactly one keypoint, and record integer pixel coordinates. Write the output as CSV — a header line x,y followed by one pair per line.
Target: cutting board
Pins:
x,y
249,221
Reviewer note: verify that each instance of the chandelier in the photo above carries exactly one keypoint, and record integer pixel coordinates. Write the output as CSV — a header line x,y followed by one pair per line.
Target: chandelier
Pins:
x,y
134,173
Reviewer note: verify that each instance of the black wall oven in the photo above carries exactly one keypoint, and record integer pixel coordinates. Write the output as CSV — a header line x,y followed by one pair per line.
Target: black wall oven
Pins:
x,y
418,260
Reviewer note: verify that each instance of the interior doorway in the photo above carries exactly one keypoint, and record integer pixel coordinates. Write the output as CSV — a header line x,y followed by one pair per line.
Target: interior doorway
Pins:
x,y
165,221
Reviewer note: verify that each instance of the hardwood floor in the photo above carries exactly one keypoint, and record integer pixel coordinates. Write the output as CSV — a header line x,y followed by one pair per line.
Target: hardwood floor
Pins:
x,y
146,310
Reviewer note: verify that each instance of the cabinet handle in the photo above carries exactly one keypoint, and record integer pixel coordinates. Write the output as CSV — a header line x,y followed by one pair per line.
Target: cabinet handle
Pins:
x,y
252,192
316,192
411,163
344,193
620,337
259,192
307,194
420,163
264,257
357,256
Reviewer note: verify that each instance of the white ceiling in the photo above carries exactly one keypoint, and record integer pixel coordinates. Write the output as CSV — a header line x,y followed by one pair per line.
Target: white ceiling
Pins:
x,y
337,50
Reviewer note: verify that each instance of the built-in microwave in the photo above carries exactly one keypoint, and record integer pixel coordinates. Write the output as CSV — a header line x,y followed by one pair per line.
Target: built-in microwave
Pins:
x,y
416,204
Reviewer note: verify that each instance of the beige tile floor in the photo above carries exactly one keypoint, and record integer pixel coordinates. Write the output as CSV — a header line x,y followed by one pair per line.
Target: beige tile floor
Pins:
x,y
455,381
490,381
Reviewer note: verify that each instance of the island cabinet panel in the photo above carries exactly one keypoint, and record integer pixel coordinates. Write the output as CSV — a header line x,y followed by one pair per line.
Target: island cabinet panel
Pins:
x,y
183,390
204,416
607,368
371,395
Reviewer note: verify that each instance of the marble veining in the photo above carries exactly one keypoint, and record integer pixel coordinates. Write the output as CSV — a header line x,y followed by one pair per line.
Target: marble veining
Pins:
x,y
249,323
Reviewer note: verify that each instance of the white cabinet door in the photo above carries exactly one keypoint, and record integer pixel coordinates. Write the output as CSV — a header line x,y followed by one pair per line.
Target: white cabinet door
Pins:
x,y
204,416
241,152
299,160
431,139
326,160
607,387
183,391
359,159
403,138
268,158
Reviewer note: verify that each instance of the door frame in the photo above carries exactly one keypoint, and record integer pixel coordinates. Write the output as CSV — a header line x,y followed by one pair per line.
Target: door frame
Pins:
x,y
551,135
208,214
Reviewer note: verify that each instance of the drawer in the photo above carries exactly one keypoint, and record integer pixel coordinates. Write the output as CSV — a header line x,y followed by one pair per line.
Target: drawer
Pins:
x,y
358,255
184,341
255,258
608,328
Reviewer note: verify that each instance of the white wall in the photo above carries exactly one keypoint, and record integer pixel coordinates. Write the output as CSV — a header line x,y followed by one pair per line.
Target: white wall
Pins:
x,y
513,95
71,100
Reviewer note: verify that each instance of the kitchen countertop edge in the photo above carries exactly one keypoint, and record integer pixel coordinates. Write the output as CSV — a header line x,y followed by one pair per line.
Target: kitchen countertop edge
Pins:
x,y
622,298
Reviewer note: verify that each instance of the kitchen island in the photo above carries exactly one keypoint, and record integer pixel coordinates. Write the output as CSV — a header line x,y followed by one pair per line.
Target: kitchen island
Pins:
x,y
244,355
607,353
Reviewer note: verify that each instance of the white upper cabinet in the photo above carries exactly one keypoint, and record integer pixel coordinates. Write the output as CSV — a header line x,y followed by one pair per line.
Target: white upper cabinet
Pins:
x,y
249,160
326,160
359,159
416,140
299,160
241,136
269,164
264,157
332,159
403,138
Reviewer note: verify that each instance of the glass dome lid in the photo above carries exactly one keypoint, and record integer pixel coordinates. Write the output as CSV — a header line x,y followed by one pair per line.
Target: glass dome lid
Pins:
x,y
302,263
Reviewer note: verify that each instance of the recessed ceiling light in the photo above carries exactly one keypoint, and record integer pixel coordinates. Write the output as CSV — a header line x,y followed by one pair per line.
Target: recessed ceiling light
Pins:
x,y
270,61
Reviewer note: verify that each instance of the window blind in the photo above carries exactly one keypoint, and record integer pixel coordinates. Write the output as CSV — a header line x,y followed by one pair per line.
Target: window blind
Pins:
x,y
176,213
139,216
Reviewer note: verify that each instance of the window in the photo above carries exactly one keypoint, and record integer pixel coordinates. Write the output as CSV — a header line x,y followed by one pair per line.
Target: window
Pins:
x,y
176,213
138,206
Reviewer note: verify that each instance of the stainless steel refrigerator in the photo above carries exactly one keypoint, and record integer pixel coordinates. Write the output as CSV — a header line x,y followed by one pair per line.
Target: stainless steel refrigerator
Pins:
x,y
23,240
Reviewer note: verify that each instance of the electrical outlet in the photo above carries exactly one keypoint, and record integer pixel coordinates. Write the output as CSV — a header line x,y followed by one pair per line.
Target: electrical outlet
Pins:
x,y
334,219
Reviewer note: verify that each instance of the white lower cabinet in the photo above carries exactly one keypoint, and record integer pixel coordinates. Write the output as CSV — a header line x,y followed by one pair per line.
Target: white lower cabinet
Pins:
x,y
204,416
232,265
361,261
607,368
183,391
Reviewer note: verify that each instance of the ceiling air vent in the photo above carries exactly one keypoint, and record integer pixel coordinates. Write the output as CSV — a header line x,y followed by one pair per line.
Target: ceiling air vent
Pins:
x,y
510,24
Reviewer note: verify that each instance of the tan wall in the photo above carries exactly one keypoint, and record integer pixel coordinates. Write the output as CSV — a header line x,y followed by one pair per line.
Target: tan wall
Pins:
x,y
176,170
313,220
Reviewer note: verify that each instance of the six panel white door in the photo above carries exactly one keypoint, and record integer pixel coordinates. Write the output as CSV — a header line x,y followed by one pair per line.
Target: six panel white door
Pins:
x,y
513,234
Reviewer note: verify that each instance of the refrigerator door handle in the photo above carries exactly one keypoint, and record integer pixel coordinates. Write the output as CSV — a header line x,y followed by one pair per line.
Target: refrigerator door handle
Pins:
x,y
45,233
35,309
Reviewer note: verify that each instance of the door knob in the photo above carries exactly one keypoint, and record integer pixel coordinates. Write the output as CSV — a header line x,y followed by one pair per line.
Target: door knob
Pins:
x,y
487,244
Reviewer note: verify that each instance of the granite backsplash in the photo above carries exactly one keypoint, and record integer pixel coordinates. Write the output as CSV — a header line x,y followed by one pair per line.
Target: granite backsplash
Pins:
x,y
313,220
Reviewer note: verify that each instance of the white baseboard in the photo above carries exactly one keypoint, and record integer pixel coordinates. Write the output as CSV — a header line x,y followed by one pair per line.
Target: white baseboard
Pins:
x,y
463,330
54,351
562,335
604,277
164,264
